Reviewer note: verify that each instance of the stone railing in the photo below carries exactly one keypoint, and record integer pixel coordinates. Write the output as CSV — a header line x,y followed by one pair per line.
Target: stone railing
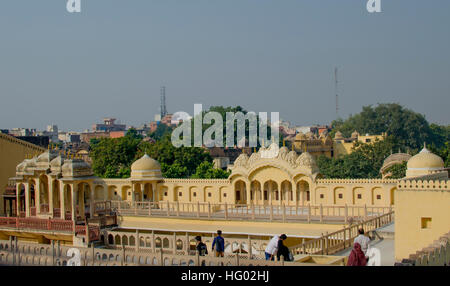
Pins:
x,y
252,246
21,253
330,243
437,254
55,225
283,213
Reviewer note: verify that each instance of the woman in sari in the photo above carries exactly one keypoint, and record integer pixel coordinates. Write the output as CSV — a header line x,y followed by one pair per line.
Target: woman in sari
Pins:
x,y
357,257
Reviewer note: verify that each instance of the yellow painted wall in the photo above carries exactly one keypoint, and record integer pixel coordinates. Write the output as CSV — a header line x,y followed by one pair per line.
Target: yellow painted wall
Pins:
x,y
411,207
12,152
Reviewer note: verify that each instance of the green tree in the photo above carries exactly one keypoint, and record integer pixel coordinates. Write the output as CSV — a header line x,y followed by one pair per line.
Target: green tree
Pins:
x,y
365,161
206,170
409,128
397,171
132,133
165,153
161,131
112,157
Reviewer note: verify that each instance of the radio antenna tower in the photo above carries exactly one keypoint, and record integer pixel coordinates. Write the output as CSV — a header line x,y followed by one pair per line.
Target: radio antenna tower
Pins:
x,y
336,91
163,102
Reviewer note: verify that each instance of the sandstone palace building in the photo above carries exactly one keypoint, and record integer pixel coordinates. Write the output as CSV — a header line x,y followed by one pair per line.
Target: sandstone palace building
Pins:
x,y
52,186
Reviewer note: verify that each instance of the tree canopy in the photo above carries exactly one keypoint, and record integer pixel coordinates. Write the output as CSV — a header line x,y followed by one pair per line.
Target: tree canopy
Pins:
x,y
365,161
409,128
112,158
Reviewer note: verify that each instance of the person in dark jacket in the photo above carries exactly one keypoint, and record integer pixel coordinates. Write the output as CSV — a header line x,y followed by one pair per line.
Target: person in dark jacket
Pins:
x,y
219,243
282,249
201,247
357,257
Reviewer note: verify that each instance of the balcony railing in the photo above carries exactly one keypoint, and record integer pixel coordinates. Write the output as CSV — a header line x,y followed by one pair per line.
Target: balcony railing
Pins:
x,y
49,225
307,213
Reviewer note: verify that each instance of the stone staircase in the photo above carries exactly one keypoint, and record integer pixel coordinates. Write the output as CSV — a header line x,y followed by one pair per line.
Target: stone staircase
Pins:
x,y
437,253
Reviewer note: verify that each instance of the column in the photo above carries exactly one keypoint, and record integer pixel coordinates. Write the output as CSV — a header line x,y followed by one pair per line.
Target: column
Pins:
x,y
133,195
155,199
270,192
92,200
27,200
281,193
248,190
74,190
18,199
37,196
50,197
81,205
294,187
62,200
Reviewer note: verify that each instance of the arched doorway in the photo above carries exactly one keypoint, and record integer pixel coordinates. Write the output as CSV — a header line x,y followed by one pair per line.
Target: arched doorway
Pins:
x,y
270,194
43,195
286,192
240,192
303,192
255,192
56,196
148,192
32,202
67,200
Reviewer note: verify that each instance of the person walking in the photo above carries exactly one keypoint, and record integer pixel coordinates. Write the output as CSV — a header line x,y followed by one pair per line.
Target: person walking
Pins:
x,y
219,244
362,240
357,257
201,247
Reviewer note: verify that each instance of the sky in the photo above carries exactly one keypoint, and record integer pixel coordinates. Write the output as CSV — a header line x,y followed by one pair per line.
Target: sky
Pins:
x,y
111,59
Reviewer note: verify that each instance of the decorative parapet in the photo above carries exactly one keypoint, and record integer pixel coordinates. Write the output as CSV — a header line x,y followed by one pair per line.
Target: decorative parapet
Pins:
x,y
12,139
357,181
199,181
424,184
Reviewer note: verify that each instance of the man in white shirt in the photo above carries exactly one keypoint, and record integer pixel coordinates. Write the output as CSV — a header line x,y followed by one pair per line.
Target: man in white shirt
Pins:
x,y
362,240
272,248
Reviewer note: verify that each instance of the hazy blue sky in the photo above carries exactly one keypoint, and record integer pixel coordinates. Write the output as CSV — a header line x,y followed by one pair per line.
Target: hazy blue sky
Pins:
x,y
266,55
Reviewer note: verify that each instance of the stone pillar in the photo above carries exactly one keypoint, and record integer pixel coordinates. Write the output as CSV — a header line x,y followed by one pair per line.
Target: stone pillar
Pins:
x,y
27,200
281,192
92,200
37,196
50,197
133,193
138,241
248,190
153,242
270,192
18,199
62,200
74,189
155,199
81,205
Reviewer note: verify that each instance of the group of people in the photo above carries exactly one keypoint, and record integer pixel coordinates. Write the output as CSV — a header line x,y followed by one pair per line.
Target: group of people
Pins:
x,y
358,255
218,245
275,247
